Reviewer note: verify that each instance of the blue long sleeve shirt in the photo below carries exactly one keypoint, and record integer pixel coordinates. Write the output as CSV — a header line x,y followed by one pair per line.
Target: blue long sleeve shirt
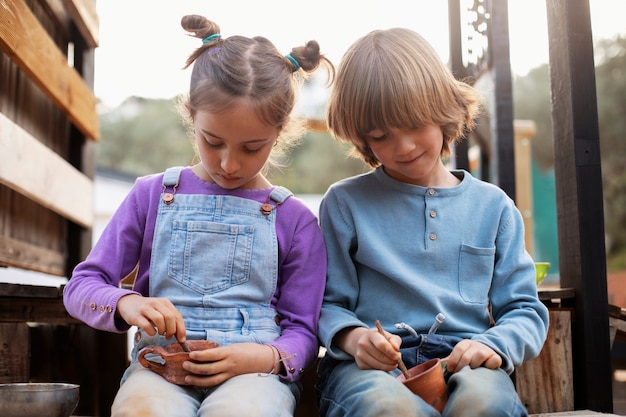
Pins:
x,y
403,253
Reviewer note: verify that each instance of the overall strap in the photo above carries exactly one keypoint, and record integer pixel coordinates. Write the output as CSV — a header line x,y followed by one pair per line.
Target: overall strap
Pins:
x,y
172,176
170,179
280,194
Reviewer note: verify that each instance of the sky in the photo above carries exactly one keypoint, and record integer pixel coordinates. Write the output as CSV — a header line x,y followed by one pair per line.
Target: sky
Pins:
x,y
142,46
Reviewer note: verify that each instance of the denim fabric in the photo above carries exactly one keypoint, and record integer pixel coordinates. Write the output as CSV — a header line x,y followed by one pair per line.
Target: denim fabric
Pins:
x,y
207,246
215,257
347,391
344,390
426,346
482,392
147,394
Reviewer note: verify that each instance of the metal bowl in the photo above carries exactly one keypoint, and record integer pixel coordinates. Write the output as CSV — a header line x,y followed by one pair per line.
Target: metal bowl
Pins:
x,y
38,399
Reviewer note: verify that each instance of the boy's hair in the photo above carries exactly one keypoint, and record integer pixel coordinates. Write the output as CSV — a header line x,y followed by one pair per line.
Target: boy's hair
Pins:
x,y
229,70
395,79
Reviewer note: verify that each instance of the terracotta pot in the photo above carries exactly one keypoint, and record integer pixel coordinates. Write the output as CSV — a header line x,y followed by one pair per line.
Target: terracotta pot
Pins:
x,y
172,356
427,381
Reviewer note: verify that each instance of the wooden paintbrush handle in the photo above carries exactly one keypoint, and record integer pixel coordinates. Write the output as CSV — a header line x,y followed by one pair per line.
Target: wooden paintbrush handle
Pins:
x,y
401,364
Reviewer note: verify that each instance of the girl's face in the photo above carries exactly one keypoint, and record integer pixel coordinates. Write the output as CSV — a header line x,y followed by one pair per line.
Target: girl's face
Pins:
x,y
410,155
233,146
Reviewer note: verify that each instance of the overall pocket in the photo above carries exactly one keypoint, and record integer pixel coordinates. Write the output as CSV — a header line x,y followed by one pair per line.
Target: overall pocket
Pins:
x,y
209,257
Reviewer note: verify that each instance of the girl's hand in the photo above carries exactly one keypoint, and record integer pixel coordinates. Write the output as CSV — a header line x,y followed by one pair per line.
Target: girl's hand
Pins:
x,y
152,315
474,354
370,349
218,364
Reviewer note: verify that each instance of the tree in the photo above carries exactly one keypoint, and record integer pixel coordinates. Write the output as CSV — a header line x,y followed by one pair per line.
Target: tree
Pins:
x,y
532,101
143,136
611,92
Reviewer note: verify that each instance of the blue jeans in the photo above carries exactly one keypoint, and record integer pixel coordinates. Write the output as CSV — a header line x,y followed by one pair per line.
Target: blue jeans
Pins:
x,y
344,390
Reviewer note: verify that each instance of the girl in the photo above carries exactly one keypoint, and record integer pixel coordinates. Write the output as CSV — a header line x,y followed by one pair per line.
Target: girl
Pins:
x,y
411,239
221,253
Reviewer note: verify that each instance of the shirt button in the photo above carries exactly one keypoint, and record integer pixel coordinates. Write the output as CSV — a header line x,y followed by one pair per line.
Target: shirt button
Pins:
x,y
433,214
431,191
102,309
92,306
109,309
433,236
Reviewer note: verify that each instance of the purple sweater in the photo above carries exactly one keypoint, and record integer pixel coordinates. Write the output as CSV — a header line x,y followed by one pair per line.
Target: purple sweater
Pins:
x,y
92,293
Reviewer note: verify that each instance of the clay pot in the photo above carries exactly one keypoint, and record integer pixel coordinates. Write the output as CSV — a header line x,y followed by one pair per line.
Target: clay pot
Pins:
x,y
427,381
172,356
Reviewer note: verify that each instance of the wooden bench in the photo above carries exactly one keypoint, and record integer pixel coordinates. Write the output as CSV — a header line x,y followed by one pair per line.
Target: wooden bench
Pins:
x,y
580,413
545,383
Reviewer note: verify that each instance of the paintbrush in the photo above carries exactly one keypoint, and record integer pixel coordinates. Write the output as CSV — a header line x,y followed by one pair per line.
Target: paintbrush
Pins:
x,y
184,346
401,364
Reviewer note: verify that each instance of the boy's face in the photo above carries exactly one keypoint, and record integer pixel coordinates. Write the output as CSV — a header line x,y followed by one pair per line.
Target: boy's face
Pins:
x,y
410,155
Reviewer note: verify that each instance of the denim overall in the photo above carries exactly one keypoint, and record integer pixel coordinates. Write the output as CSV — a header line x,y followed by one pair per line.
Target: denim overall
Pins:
x,y
215,258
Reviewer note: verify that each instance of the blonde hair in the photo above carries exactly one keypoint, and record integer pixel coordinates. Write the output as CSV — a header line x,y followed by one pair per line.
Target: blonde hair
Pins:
x,y
395,79
229,70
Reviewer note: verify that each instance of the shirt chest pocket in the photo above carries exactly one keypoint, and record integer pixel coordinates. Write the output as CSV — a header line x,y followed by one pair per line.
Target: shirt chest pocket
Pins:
x,y
475,273
210,257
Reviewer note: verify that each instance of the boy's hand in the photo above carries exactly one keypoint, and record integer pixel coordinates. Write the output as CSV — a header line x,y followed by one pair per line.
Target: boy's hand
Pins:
x,y
370,349
474,354
152,315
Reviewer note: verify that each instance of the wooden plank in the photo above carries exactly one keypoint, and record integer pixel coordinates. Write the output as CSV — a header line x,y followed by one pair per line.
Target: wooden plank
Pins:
x,y
617,324
84,14
14,353
34,310
524,132
579,413
27,43
548,294
545,383
579,196
19,254
63,25
316,125
28,291
35,171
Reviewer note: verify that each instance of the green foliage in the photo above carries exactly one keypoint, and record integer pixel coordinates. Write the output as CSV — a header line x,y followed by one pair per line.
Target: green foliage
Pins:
x,y
143,136
315,164
532,101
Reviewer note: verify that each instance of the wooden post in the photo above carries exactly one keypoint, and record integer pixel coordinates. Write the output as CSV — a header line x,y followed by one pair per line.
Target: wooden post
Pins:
x,y
502,146
461,154
582,258
524,132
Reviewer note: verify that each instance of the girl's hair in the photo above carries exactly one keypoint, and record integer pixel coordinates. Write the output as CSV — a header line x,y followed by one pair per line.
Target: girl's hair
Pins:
x,y
229,70
395,79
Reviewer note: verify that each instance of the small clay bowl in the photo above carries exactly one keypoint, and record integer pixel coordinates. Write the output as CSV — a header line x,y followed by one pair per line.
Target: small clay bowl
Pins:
x,y
427,381
167,360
